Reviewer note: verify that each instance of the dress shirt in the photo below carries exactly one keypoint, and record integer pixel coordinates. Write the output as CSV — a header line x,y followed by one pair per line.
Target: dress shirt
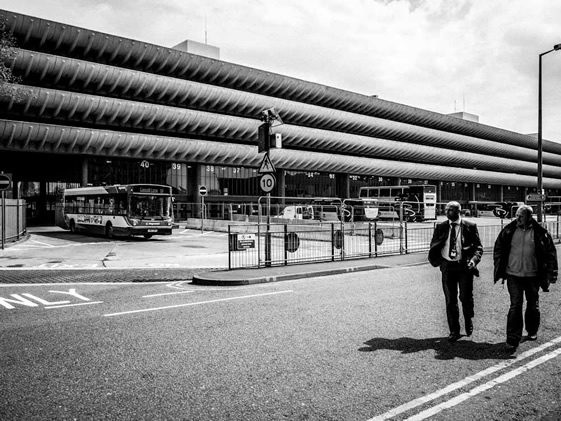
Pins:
x,y
446,248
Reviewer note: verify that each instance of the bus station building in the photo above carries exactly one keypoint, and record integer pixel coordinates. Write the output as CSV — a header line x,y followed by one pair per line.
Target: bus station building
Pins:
x,y
97,109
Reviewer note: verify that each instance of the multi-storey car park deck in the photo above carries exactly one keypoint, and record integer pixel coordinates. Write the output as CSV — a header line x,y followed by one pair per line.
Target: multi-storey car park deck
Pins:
x,y
96,108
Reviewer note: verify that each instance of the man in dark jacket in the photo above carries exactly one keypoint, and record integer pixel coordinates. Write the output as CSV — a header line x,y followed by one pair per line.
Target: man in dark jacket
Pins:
x,y
456,249
526,257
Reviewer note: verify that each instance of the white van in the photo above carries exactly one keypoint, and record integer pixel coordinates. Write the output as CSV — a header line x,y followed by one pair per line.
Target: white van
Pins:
x,y
297,212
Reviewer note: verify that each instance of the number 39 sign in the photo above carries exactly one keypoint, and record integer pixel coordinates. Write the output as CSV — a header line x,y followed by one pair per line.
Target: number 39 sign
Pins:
x,y
267,182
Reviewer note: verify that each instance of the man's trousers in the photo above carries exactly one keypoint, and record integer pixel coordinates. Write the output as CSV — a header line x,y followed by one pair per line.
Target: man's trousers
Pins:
x,y
455,276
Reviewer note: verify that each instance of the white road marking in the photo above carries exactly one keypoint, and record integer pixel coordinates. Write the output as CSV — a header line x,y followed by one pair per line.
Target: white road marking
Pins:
x,y
45,302
40,242
167,293
194,304
464,382
486,386
72,292
78,304
178,285
23,247
199,234
50,284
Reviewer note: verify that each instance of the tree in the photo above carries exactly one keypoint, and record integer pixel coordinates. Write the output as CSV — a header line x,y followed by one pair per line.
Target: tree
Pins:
x,y
7,53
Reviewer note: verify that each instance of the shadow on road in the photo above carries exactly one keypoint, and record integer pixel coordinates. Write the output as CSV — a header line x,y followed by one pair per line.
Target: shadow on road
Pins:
x,y
444,350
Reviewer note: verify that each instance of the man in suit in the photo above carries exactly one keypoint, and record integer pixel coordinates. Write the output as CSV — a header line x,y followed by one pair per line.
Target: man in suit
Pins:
x,y
456,249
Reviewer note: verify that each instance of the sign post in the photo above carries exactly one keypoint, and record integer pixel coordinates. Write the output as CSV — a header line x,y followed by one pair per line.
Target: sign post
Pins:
x,y
538,199
5,183
267,169
267,183
202,192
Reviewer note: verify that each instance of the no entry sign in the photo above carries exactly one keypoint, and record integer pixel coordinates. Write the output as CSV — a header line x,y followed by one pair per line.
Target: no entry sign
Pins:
x,y
5,181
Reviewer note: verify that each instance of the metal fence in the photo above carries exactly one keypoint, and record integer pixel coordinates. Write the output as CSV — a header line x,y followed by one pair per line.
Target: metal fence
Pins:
x,y
264,245
13,222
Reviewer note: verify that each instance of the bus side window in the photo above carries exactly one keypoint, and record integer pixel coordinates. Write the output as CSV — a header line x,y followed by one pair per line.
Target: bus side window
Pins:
x,y
80,202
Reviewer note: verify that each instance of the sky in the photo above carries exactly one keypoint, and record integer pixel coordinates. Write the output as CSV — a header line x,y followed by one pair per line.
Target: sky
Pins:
x,y
477,56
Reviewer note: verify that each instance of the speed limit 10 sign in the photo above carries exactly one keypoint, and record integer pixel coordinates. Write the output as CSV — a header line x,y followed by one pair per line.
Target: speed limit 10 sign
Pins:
x,y
267,182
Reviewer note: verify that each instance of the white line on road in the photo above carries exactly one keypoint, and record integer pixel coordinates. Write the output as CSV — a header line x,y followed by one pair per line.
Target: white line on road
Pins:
x,y
24,247
178,285
49,284
166,293
464,382
74,305
199,234
42,243
197,303
486,386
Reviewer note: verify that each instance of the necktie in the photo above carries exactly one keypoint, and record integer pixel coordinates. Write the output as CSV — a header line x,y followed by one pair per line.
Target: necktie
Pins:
x,y
453,253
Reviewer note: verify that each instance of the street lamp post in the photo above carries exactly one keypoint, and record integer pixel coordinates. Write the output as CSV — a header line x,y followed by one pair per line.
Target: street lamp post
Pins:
x,y
540,141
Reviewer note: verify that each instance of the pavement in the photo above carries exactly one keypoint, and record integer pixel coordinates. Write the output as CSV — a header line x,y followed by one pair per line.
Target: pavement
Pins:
x,y
283,273
50,254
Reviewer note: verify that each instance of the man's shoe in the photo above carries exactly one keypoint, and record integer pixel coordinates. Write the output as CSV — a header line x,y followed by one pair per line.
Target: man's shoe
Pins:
x,y
509,348
532,337
469,327
453,337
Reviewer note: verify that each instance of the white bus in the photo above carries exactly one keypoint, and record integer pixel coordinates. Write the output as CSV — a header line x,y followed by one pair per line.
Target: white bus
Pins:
x,y
419,201
120,210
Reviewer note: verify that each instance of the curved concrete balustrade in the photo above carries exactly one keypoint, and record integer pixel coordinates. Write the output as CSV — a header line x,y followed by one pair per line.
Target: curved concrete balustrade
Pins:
x,y
48,36
78,75
76,109
71,140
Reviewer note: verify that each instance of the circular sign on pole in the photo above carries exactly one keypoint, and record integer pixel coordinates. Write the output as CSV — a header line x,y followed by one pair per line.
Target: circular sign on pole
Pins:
x,y
267,182
379,236
292,242
5,181
338,239
202,190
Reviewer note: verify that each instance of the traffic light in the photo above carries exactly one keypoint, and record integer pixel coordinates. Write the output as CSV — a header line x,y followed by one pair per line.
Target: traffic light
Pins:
x,y
266,140
263,138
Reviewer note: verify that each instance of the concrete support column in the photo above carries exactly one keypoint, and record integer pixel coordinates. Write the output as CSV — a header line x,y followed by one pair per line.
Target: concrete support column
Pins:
x,y
281,184
42,202
199,181
342,186
501,194
84,172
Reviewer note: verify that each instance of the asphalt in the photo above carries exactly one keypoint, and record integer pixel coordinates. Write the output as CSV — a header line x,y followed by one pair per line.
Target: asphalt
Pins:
x,y
179,258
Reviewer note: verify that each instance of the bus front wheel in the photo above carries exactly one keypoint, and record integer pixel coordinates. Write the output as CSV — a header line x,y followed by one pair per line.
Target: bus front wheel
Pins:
x,y
109,230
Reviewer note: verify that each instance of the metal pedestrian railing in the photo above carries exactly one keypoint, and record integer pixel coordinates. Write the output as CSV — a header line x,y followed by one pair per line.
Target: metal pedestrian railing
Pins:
x,y
13,220
266,245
